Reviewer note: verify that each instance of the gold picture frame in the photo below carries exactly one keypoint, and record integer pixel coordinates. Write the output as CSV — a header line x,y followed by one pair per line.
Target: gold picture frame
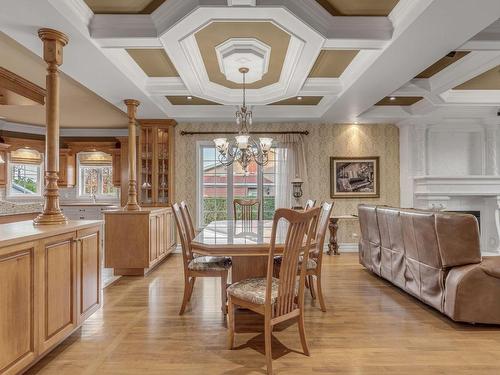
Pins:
x,y
355,177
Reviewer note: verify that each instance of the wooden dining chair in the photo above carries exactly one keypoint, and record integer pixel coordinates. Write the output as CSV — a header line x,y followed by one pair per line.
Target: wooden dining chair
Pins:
x,y
309,204
315,261
202,266
246,208
188,220
282,299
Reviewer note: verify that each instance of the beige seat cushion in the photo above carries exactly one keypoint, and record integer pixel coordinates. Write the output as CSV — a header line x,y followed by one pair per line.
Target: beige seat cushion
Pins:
x,y
208,263
254,290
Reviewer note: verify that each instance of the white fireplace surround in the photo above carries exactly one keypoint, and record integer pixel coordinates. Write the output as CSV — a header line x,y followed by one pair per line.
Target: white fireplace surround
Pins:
x,y
468,193
454,166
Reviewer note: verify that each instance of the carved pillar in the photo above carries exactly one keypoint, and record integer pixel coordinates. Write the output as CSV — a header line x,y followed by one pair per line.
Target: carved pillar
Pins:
x,y
53,43
132,204
491,147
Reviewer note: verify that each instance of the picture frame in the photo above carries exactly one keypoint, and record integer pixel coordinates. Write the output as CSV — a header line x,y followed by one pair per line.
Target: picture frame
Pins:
x,y
355,177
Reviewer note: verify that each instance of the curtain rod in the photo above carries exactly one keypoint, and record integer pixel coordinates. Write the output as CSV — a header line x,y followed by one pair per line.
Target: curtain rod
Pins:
x,y
303,132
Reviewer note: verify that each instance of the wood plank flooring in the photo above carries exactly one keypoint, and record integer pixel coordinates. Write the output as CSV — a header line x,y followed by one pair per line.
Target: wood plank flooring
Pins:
x,y
371,327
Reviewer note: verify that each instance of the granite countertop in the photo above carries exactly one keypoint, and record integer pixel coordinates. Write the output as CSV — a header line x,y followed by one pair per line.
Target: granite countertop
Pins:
x,y
9,208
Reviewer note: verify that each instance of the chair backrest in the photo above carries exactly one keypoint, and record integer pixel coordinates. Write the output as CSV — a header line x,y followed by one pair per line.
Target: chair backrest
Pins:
x,y
187,255
309,204
299,236
246,206
321,228
188,220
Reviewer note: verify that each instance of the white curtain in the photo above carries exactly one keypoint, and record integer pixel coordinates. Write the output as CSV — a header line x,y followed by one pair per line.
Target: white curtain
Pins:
x,y
291,164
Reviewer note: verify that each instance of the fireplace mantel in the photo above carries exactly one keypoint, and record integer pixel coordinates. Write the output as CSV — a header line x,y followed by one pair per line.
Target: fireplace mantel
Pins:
x,y
477,186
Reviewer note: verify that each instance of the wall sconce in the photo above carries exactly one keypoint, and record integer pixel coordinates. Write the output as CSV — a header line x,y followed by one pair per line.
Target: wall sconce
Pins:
x,y
297,192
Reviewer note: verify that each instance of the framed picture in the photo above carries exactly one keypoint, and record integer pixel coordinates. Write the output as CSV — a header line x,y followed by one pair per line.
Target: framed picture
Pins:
x,y
354,177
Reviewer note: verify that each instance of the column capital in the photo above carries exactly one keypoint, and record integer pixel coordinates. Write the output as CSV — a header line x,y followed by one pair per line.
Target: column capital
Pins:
x,y
53,43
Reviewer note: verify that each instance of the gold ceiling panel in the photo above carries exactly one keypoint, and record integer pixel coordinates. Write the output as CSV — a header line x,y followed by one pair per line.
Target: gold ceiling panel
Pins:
x,y
400,100
489,80
217,32
154,62
306,100
124,6
332,63
183,100
442,64
358,7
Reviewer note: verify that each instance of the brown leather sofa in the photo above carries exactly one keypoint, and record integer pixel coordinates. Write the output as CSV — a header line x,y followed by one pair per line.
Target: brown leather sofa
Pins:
x,y
434,256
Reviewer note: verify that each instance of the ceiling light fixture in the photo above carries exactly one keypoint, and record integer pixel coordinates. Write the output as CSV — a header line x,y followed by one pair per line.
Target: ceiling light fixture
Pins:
x,y
392,98
244,149
299,97
189,98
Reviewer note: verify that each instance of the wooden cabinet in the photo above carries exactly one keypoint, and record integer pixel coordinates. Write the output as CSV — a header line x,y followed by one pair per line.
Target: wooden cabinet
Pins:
x,y
67,168
155,162
88,273
18,308
49,286
56,289
117,172
149,238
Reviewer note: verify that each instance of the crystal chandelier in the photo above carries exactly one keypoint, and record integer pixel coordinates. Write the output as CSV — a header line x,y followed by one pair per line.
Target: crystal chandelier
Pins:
x,y
244,149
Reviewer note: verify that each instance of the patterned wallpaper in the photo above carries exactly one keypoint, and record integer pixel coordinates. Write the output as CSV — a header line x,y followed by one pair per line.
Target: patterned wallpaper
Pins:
x,y
323,141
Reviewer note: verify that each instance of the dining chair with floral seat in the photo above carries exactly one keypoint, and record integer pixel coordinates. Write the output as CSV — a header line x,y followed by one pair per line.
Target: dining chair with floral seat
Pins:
x,y
278,299
201,266
310,203
188,223
315,261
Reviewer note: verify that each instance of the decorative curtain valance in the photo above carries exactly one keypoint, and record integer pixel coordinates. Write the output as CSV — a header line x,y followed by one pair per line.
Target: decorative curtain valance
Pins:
x,y
95,158
26,156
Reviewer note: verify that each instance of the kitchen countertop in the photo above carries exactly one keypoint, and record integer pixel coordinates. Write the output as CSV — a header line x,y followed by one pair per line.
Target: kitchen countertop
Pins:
x,y
24,231
98,204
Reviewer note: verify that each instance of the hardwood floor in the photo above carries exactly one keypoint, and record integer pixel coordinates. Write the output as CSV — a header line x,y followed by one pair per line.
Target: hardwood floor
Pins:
x,y
370,327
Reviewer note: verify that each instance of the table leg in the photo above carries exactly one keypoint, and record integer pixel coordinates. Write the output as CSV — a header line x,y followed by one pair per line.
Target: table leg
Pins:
x,y
333,246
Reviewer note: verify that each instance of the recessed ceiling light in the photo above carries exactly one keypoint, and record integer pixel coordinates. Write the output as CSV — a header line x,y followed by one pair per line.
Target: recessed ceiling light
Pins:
x,y
392,98
189,98
356,122
299,97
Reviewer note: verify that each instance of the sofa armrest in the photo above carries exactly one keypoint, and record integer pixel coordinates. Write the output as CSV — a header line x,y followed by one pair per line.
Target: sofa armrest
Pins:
x,y
471,292
491,265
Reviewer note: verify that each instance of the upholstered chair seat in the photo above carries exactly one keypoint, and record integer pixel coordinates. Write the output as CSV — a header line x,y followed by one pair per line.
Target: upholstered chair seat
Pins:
x,y
254,290
311,263
209,263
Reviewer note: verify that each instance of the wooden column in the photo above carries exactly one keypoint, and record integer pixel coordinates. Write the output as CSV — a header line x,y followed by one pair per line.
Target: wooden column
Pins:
x,y
53,43
132,204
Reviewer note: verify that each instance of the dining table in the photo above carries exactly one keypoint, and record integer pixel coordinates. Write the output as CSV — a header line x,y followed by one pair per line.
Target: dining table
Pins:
x,y
247,242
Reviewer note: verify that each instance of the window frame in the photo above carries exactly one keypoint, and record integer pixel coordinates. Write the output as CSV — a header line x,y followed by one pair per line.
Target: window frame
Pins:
x,y
200,145
10,180
99,195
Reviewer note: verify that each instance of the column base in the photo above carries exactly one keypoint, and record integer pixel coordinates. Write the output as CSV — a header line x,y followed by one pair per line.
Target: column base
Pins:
x,y
50,219
132,207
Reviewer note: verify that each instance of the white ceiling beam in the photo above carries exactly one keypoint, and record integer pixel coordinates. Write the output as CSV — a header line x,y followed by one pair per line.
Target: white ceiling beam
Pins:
x,y
405,56
487,39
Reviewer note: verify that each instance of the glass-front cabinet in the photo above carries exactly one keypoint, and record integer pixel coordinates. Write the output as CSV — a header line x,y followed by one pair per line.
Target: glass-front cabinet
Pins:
x,y
155,154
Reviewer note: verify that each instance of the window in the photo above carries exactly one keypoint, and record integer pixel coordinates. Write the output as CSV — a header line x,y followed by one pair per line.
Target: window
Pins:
x,y
25,173
25,179
95,175
218,185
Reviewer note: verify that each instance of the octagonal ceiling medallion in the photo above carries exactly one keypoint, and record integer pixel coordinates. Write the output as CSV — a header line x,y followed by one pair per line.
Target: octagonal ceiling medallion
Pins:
x,y
237,53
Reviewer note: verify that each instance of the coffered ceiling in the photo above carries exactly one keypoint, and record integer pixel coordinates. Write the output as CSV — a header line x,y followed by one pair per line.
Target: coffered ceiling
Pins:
x,y
309,60
358,7
123,6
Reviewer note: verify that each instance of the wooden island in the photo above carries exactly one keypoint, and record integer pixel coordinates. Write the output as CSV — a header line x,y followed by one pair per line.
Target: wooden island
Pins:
x,y
50,282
